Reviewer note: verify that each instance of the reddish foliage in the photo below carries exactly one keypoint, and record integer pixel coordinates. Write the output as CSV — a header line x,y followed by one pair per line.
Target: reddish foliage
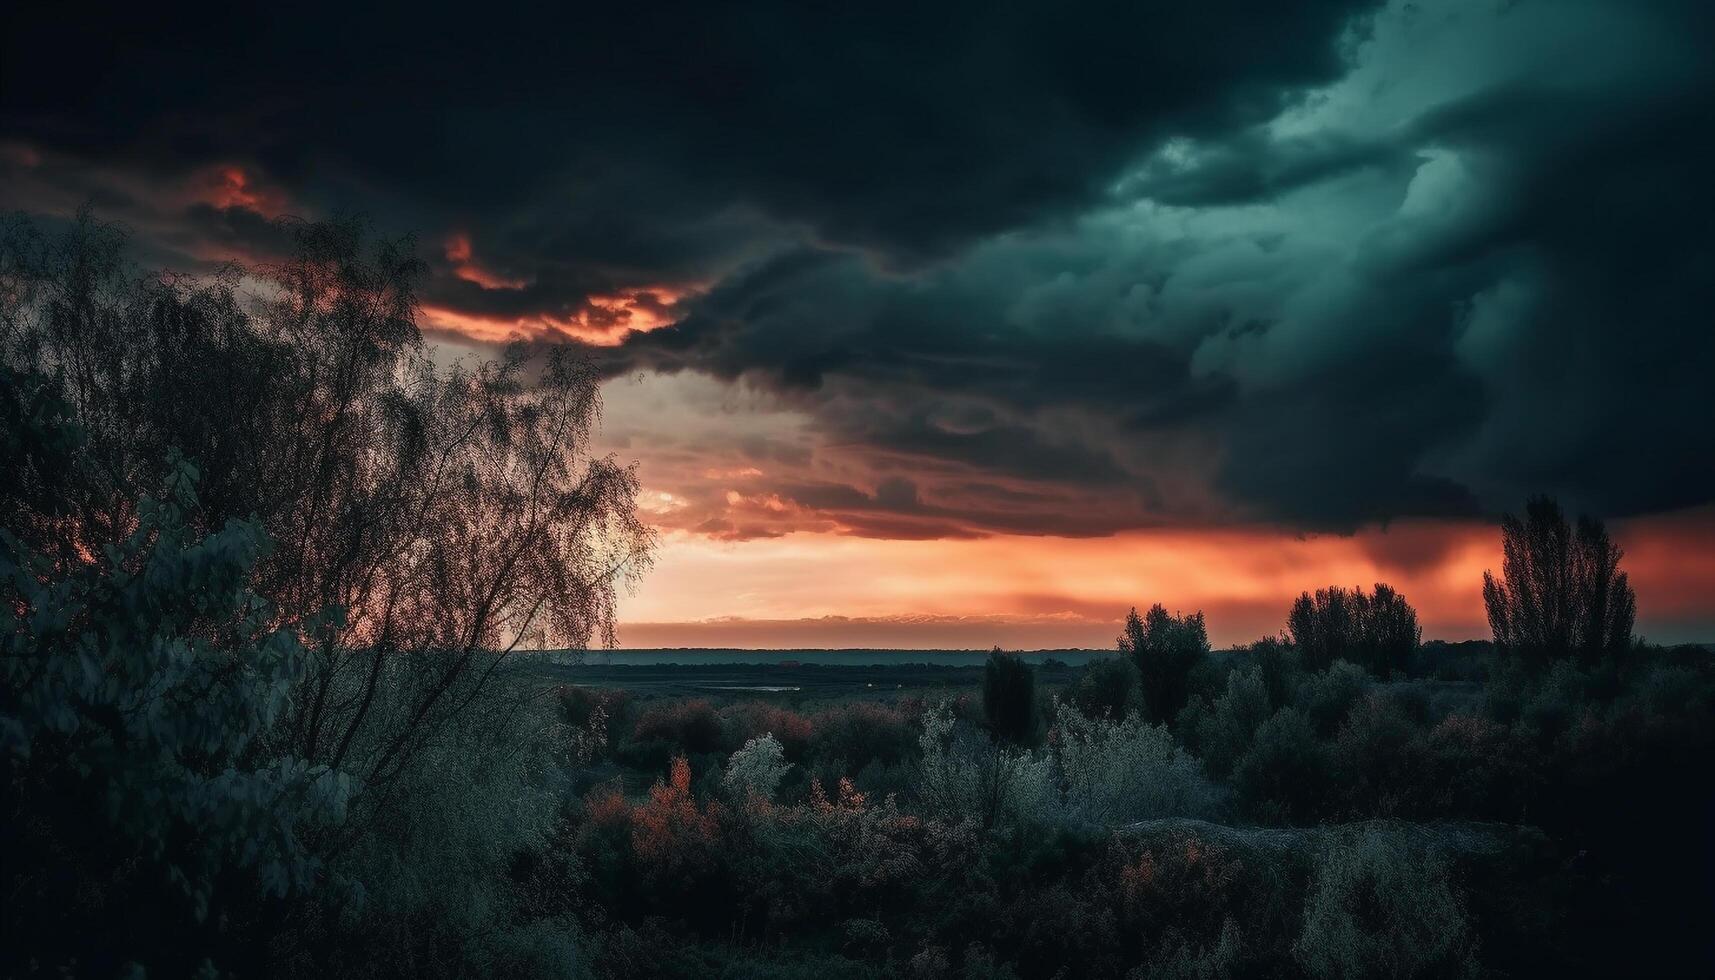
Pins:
x,y
693,727
669,830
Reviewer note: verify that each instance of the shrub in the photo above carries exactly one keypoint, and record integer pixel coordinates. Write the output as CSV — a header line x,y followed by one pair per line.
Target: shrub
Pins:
x,y
862,733
1476,769
139,691
1122,771
1225,731
1180,896
1165,649
1009,699
579,704
973,778
1283,776
669,832
1107,688
1556,702
691,727
593,718
743,722
1380,907
1182,959
439,894
1281,667
1326,697
1377,759
755,771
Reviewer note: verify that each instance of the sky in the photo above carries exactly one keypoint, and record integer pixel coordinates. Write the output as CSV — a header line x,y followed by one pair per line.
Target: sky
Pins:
x,y
960,324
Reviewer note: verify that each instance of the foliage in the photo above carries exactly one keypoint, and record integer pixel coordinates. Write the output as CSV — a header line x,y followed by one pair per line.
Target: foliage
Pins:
x,y
1120,771
140,690
444,512
1326,697
1283,776
1223,732
745,721
690,727
755,770
1561,592
441,895
1009,698
1108,688
1281,665
1165,649
862,733
1377,630
1380,907
963,777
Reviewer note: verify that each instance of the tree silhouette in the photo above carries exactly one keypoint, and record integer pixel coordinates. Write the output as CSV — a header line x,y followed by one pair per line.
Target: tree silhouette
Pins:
x,y
423,520
1561,592
1378,630
1165,648
1009,698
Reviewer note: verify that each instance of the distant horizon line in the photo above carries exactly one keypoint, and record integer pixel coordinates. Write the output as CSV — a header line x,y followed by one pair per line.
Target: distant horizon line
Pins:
x,y
928,649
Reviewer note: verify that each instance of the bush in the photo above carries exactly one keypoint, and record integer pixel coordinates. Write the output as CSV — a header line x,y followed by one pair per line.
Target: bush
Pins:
x,y
1476,769
1377,760
1326,697
594,718
1165,648
1108,688
689,727
978,779
139,691
1123,771
1380,907
1224,732
1281,667
743,722
439,895
862,733
1009,699
1283,776
755,771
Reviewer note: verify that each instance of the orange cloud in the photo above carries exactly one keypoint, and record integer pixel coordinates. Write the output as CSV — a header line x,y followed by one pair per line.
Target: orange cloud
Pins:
x,y
231,186
459,252
604,321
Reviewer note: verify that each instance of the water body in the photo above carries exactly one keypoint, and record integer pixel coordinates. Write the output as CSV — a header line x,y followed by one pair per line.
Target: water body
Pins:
x,y
829,658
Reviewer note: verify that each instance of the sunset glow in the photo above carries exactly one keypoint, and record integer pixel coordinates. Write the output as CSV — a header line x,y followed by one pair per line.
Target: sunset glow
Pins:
x,y
813,589
603,321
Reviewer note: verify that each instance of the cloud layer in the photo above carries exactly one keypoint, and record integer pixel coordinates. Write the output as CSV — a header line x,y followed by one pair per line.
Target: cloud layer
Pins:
x,y
949,272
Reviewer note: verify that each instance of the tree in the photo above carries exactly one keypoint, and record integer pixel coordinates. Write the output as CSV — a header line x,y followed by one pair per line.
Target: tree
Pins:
x,y
755,771
1377,630
425,520
1561,592
1107,688
140,689
1009,698
1165,649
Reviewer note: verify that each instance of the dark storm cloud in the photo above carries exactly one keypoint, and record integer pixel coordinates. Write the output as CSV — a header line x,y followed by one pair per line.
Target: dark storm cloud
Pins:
x,y
1122,265
909,128
1475,268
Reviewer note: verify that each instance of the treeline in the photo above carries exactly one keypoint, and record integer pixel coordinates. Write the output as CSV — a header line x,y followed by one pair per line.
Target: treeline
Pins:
x,y
1319,803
